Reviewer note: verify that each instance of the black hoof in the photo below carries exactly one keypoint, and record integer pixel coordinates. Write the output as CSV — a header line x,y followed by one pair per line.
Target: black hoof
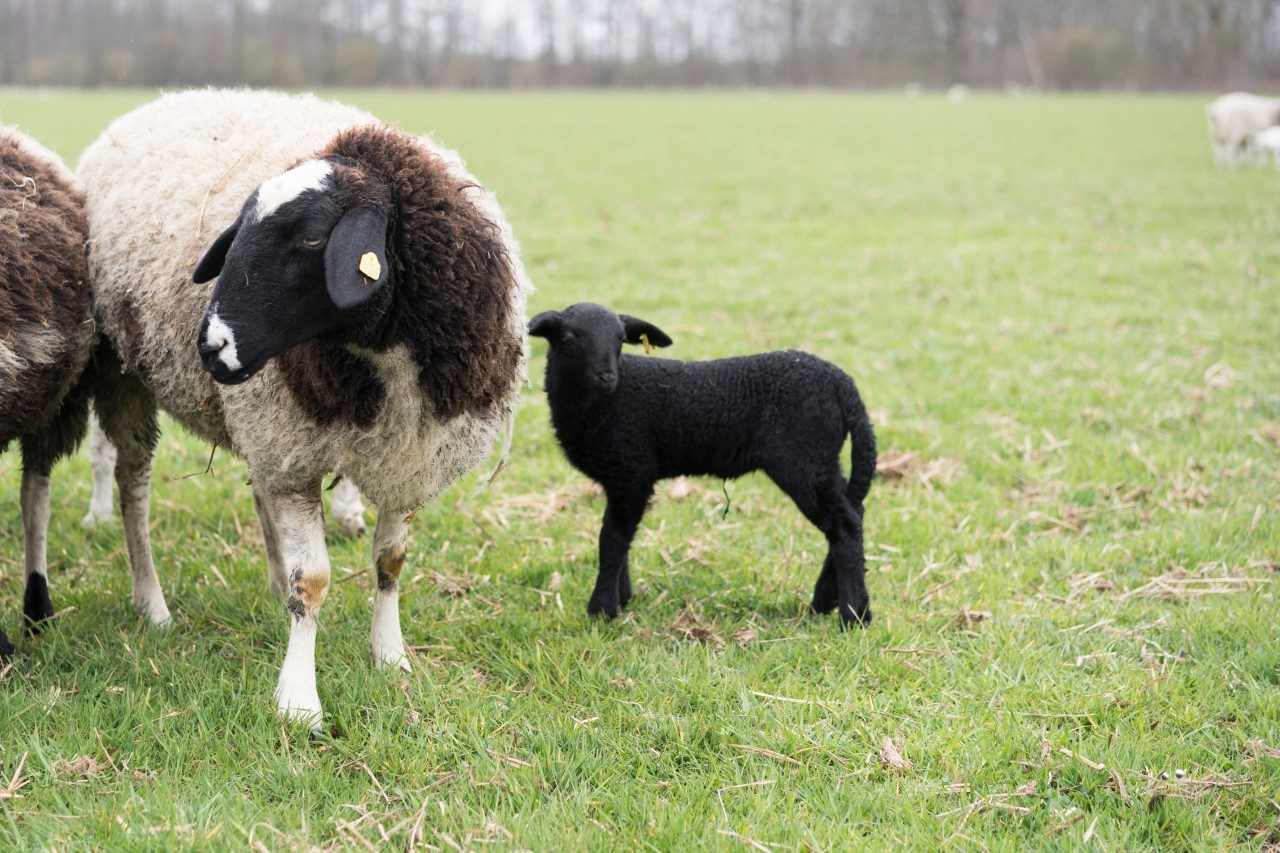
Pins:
x,y
6,648
596,609
823,605
851,617
35,604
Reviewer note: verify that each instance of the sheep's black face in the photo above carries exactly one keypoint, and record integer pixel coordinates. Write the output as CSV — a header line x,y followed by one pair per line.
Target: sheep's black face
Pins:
x,y
306,257
586,341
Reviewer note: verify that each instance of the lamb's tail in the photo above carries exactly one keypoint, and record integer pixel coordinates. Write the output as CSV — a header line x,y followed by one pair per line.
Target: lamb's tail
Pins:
x,y
862,452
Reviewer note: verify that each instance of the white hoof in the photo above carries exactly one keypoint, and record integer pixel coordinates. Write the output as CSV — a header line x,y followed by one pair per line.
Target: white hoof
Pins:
x,y
392,658
301,705
157,612
96,516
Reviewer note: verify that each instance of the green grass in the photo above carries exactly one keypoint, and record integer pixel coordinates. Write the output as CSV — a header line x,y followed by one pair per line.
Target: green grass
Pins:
x,y
1058,304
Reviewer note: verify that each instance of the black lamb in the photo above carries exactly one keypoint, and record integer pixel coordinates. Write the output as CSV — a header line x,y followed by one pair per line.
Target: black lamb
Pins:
x,y
628,422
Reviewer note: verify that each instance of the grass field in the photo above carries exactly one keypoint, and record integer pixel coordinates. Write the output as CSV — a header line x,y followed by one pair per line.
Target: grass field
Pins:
x,y
1065,323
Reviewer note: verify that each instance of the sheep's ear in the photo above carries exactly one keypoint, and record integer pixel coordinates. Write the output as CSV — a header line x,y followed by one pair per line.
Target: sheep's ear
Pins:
x,y
545,325
638,332
211,264
355,260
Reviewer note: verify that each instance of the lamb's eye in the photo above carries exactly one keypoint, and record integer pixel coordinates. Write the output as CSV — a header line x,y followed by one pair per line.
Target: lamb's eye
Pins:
x,y
312,241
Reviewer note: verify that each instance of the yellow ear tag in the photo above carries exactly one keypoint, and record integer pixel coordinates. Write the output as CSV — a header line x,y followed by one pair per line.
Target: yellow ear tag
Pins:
x,y
644,339
370,267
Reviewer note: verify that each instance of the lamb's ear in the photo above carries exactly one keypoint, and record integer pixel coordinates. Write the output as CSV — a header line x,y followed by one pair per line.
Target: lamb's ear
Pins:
x,y
211,264
545,325
355,260
635,327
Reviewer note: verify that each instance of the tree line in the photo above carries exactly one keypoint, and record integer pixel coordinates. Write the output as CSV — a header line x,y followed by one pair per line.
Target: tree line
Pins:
x,y
1056,44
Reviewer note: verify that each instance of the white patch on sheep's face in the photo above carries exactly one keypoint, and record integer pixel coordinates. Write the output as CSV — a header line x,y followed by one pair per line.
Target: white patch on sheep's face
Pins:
x,y
283,189
219,334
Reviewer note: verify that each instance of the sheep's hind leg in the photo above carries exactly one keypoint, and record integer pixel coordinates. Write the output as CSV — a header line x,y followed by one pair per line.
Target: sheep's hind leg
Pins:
x,y
35,528
622,516
826,594
387,642
127,411
299,520
271,539
102,460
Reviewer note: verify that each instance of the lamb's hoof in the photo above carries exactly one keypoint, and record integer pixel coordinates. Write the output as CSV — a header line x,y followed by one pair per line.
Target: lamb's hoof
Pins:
x,y
851,617
6,649
35,603
597,609
301,705
823,605
350,525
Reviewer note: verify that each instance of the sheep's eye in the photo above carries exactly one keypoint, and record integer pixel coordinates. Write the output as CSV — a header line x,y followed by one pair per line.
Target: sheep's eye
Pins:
x,y
312,242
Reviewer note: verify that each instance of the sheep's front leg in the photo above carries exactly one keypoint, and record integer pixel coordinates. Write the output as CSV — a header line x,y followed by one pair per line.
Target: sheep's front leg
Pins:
x,y
622,516
271,539
299,522
389,539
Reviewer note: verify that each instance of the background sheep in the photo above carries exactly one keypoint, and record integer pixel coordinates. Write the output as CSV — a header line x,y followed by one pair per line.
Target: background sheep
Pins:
x,y
628,422
367,320
345,506
46,333
1265,145
1234,119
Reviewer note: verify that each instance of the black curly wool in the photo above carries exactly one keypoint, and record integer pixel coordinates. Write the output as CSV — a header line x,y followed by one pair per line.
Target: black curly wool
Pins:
x,y
629,421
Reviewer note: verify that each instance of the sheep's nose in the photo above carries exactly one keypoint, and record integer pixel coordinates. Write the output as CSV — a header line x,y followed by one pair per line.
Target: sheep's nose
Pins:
x,y
606,377
208,346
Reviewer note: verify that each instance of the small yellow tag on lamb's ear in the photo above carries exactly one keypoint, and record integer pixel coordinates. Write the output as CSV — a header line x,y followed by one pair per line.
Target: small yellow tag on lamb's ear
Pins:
x,y
644,339
370,266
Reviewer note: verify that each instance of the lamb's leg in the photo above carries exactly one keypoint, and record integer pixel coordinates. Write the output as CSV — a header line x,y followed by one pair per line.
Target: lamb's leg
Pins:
x,y
127,411
826,594
622,516
821,497
299,520
271,539
389,539
347,509
102,459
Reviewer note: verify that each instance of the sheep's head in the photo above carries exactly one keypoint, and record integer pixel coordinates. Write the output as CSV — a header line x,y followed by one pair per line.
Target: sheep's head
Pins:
x,y
586,340
307,256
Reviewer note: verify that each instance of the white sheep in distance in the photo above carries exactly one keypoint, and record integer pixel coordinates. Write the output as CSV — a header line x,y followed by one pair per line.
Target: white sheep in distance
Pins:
x,y
1233,121
367,320
1265,146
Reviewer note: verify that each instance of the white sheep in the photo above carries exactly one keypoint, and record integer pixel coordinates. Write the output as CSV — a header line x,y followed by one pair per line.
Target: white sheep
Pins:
x,y
367,320
1234,119
1265,146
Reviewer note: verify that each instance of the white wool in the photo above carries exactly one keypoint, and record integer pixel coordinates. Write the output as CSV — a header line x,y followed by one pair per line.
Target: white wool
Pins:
x,y
283,189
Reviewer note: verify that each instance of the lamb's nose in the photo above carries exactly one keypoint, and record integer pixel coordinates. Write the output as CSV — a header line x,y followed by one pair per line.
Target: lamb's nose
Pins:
x,y
209,345
606,377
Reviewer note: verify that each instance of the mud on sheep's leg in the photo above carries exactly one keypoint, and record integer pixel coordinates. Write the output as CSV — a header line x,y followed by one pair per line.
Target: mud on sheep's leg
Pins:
x,y
102,460
299,521
389,539
271,540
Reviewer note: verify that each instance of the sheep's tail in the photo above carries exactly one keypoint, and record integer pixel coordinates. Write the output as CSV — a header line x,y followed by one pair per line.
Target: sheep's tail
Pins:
x,y
862,452
509,430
